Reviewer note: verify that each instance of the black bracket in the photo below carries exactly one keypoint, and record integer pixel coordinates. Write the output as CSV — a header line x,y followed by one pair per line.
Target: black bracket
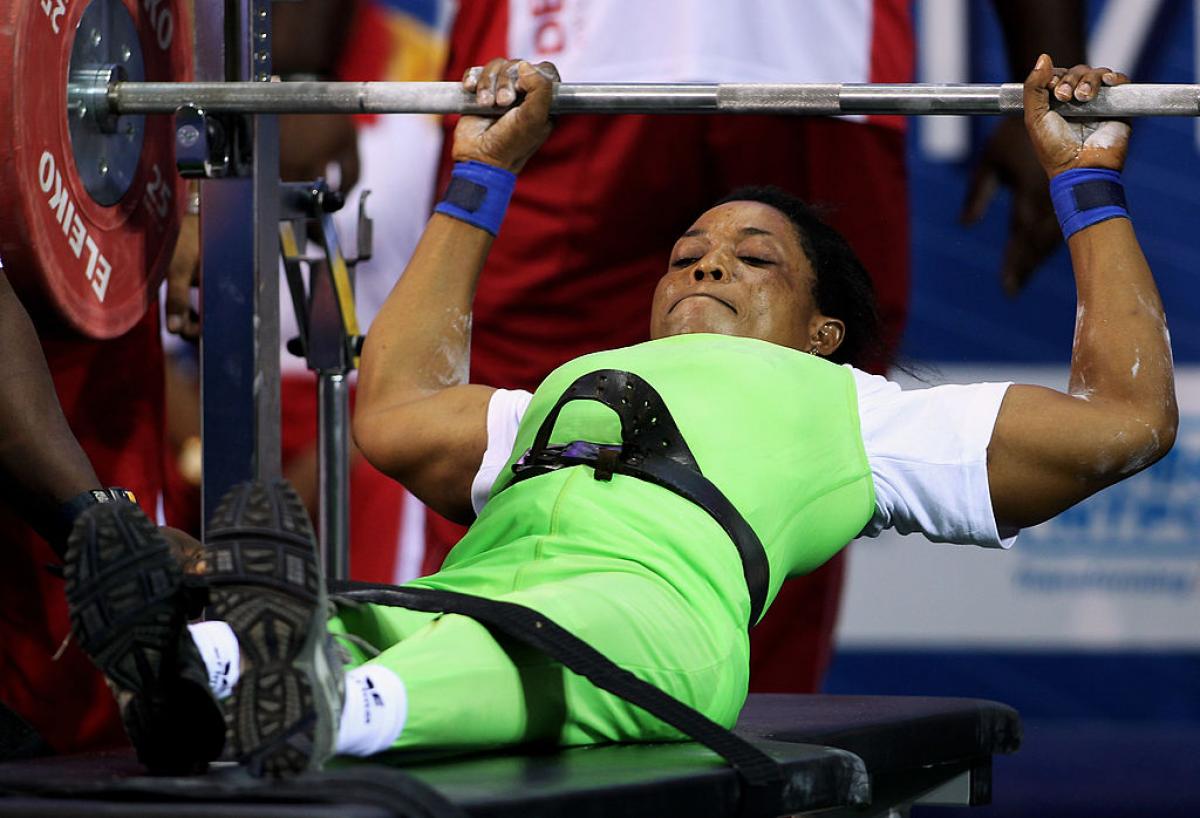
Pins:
x,y
212,146
329,339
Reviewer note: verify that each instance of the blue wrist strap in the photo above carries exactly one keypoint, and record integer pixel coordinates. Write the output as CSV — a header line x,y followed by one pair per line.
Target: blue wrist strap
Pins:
x,y
478,194
1085,196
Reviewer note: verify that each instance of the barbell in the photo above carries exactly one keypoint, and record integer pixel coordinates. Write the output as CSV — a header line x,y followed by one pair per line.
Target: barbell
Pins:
x,y
90,203
88,216
828,99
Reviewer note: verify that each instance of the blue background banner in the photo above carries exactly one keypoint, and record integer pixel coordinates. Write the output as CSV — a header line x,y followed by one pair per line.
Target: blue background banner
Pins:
x,y
960,313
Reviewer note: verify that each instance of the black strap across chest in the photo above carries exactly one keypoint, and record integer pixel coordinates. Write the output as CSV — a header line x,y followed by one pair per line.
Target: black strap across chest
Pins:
x,y
652,449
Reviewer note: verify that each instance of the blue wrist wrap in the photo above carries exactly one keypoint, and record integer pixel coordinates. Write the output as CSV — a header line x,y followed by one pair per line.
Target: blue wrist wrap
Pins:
x,y
1084,196
478,194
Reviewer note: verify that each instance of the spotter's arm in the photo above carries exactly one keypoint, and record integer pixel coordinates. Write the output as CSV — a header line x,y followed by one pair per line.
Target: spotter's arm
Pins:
x,y
41,464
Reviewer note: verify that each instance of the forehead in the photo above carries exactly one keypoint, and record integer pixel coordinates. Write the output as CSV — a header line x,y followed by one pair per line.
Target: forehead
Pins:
x,y
735,217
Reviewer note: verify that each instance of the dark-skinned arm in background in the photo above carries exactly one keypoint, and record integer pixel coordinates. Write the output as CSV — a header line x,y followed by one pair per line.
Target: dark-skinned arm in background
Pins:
x,y
41,463
1007,157
309,38
1049,449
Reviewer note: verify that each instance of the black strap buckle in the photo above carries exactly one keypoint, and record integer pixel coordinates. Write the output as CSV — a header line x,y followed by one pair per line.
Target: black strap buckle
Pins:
x,y
606,462
652,449
575,453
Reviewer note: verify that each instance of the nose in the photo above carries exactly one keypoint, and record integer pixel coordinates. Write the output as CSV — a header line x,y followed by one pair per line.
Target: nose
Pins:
x,y
708,271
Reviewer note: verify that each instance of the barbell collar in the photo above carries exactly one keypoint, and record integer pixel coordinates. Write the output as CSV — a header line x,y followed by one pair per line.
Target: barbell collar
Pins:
x,y
639,98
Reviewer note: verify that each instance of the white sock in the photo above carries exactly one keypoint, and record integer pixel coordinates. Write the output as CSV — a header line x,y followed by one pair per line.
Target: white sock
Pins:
x,y
374,711
375,706
218,646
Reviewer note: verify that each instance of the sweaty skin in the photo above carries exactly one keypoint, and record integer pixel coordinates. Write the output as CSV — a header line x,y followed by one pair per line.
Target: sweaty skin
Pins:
x,y
740,271
1051,450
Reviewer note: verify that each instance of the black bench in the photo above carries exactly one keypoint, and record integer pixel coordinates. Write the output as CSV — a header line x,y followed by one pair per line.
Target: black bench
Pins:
x,y
860,754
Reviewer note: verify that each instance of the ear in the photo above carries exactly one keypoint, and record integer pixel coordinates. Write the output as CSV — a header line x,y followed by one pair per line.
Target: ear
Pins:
x,y
825,335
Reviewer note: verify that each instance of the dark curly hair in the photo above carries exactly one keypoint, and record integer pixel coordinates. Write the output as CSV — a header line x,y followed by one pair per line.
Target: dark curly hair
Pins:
x,y
842,288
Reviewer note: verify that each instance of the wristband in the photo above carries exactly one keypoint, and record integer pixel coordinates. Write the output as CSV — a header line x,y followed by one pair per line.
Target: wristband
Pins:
x,y
1085,196
478,194
69,512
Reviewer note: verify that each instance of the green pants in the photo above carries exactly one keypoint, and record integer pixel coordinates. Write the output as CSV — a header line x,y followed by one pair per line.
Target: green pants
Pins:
x,y
470,690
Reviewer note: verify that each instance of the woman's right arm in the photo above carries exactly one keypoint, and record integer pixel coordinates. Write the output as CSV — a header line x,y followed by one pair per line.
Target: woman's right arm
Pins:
x,y
416,418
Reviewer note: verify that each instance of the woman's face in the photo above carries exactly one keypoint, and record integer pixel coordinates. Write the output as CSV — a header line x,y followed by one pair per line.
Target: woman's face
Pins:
x,y
740,270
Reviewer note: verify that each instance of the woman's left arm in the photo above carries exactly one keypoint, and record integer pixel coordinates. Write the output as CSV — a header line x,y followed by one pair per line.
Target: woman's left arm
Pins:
x,y
1049,450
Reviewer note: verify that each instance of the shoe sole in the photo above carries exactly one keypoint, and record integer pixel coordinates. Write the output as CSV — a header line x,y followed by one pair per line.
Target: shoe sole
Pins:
x,y
265,581
128,614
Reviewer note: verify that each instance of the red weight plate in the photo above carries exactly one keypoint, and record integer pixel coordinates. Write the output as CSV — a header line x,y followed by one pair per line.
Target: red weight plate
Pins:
x,y
99,267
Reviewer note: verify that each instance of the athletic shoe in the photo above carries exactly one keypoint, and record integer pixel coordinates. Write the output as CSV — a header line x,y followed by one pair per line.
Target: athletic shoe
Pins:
x,y
128,609
265,580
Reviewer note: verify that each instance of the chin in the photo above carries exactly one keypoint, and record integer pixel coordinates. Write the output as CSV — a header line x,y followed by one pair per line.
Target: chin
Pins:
x,y
697,315
696,327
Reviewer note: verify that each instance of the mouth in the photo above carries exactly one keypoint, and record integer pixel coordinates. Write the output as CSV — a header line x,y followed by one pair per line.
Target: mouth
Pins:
x,y
702,295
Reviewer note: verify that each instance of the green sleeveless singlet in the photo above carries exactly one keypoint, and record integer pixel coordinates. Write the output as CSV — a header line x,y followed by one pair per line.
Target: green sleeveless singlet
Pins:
x,y
645,576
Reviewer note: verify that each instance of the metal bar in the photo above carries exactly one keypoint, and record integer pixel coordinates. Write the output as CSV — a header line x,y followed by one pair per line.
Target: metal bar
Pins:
x,y
227,340
329,328
340,323
265,182
331,324
226,423
625,98
333,457
239,293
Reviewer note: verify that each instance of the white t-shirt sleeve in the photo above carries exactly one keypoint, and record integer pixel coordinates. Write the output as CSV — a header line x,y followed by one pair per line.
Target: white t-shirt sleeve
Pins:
x,y
927,449
505,410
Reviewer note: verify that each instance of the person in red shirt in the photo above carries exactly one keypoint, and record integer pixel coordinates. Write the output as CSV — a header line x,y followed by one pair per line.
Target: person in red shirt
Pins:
x,y
76,415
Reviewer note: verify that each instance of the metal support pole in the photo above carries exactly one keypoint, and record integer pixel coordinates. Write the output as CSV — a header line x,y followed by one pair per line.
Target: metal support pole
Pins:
x,y
333,456
330,355
225,433
265,181
625,98
329,340
240,279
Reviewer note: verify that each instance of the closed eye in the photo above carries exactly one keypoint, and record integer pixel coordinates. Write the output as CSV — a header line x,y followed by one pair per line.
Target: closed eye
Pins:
x,y
686,261
755,261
